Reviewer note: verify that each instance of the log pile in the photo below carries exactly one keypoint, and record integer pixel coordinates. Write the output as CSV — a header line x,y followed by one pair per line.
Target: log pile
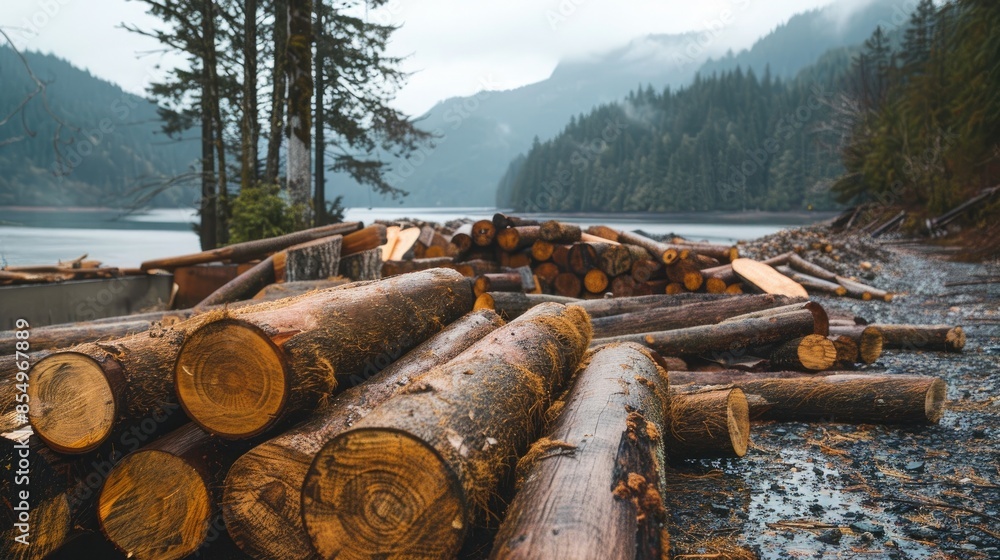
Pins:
x,y
389,418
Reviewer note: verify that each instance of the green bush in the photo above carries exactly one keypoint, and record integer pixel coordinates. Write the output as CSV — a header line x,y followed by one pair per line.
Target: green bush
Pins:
x,y
258,212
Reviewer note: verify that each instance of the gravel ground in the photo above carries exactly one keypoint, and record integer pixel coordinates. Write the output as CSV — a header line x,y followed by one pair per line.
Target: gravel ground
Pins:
x,y
863,491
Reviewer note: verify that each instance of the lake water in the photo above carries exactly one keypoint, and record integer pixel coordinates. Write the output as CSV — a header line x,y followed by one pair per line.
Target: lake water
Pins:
x,y
47,236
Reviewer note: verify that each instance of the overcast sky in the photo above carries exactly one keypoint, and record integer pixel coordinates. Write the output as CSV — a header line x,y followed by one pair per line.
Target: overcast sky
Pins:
x,y
453,46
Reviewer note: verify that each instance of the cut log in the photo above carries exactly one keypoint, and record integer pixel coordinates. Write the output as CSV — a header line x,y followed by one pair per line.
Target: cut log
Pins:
x,y
364,239
614,259
568,284
94,392
313,260
391,234
719,251
681,316
798,263
944,219
686,272
499,282
604,232
366,265
263,489
708,425
239,375
405,240
810,353
660,251
863,291
291,289
726,274
595,281
674,288
841,397
517,238
590,488
462,239
441,447
483,233
501,221
583,257
624,286
250,250
728,336
555,231
847,350
944,338
542,250
160,501
889,224
644,270
395,268
869,340
546,273
821,322
765,279
510,305
812,283
70,334
477,267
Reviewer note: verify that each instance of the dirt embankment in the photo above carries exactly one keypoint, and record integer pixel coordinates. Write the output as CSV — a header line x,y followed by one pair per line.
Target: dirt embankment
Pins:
x,y
860,491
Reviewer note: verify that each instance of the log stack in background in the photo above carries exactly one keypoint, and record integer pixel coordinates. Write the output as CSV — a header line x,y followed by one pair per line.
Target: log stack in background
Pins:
x,y
394,413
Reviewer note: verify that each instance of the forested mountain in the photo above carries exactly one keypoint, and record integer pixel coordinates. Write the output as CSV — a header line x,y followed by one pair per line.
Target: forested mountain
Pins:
x,y
481,134
93,145
734,141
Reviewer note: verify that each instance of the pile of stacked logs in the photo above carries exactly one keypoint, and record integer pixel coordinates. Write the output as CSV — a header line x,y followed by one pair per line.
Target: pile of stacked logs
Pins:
x,y
509,253
383,418
76,269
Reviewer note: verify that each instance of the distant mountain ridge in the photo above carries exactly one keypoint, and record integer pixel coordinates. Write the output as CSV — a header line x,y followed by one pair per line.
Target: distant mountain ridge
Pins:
x,y
483,133
110,144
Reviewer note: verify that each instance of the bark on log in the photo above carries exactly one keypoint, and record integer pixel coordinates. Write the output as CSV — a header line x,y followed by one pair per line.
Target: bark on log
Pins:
x,y
243,286
847,350
863,291
160,501
708,425
681,316
70,334
501,221
944,338
869,340
499,282
821,322
644,270
291,289
510,305
798,263
395,268
732,334
812,283
810,353
583,257
476,267
250,250
366,265
292,354
462,239
314,260
364,239
660,251
615,259
684,271
442,446
555,231
604,232
837,397
624,286
263,491
590,488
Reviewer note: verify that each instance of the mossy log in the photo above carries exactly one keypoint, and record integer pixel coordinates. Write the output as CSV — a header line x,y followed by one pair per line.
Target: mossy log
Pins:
x,y
250,250
728,336
944,338
238,375
869,339
834,396
590,488
263,491
414,474
684,315
161,502
708,425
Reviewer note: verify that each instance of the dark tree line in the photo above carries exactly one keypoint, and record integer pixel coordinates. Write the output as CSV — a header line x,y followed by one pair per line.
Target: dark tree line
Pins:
x,y
318,69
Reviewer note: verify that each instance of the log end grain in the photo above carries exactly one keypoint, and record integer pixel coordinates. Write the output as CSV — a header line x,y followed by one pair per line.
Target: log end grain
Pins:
x,y
382,493
955,339
73,402
934,401
870,345
817,353
715,285
155,506
231,378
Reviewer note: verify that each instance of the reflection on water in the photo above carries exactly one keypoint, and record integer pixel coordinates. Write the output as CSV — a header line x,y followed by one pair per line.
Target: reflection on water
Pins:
x,y
47,236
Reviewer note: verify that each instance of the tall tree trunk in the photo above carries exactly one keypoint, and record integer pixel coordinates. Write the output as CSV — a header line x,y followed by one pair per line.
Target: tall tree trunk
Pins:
x,y
319,199
211,63
300,93
207,233
249,134
276,131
